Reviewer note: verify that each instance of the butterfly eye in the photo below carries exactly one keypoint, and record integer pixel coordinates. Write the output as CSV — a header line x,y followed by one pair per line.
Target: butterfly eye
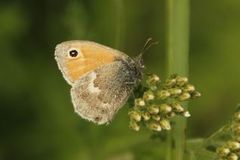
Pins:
x,y
73,53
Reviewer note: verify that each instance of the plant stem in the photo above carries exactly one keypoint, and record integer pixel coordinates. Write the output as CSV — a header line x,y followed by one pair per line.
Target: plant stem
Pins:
x,y
177,57
119,23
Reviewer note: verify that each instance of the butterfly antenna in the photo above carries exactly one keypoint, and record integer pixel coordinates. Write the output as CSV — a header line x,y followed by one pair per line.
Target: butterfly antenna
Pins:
x,y
146,46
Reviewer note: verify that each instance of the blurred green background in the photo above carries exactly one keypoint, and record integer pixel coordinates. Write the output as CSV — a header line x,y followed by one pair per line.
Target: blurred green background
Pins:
x,y
37,121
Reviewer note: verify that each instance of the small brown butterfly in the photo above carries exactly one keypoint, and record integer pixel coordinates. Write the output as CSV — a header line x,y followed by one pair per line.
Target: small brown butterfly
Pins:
x,y
102,78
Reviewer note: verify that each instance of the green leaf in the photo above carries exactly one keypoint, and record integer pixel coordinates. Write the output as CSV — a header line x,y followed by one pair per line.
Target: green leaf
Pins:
x,y
197,150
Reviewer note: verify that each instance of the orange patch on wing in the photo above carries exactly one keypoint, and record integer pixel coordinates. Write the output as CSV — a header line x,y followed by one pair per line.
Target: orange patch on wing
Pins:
x,y
93,57
97,52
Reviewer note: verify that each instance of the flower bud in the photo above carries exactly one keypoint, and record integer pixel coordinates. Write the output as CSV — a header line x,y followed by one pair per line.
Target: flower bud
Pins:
x,y
177,108
156,117
181,81
165,124
153,109
154,126
232,156
186,114
189,88
184,96
236,129
175,91
233,145
171,114
163,94
135,116
170,82
146,116
139,102
165,108
195,94
134,126
153,88
223,151
237,138
148,95
237,116
152,80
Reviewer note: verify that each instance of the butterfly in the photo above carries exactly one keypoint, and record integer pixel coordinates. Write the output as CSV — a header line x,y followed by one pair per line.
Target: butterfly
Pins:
x,y
101,78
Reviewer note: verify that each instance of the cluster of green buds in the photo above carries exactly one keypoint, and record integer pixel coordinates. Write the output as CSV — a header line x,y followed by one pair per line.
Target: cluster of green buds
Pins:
x,y
230,150
160,102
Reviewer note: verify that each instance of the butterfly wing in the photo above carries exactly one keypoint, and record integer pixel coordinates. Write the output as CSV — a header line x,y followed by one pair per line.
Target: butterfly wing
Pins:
x,y
91,55
98,95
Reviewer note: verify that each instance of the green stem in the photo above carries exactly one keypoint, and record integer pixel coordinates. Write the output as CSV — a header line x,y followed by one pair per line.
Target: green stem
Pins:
x,y
119,23
177,57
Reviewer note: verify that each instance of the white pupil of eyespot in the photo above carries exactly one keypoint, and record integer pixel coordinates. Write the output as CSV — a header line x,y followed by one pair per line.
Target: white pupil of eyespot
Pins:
x,y
73,53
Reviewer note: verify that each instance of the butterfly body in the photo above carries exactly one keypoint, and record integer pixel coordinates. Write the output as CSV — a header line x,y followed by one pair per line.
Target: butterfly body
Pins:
x,y
102,78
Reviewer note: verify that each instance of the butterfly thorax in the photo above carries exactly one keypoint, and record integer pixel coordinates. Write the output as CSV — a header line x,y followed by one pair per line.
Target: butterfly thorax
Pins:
x,y
133,70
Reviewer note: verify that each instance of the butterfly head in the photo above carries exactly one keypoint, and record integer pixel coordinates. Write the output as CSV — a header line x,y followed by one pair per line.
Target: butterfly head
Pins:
x,y
139,59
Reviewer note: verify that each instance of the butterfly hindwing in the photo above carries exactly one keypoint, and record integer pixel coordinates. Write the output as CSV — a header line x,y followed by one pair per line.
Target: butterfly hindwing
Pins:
x,y
99,95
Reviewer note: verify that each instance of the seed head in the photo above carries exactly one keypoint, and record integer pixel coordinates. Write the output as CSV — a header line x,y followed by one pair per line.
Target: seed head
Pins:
x,y
160,103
